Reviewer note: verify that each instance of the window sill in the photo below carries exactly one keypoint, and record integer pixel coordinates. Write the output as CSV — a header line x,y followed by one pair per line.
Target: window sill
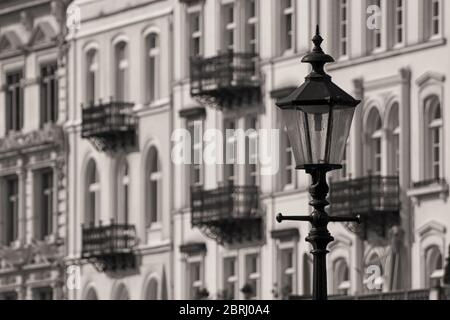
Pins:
x,y
433,190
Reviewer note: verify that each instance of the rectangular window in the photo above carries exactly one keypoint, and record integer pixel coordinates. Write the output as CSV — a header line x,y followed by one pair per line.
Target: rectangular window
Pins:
x,y
343,27
195,129
12,209
344,170
377,35
195,33
45,204
252,276
436,155
377,156
396,146
195,279
121,71
252,152
229,26
49,93
435,17
287,272
398,21
287,25
14,101
290,162
91,77
230,152
252,22
152,67
230,279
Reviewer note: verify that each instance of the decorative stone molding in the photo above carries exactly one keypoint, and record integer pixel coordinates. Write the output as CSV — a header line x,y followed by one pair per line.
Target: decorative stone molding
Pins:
x,y
437,189
18,141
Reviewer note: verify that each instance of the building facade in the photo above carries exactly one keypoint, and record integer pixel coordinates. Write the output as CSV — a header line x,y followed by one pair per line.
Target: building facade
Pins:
x,y
119,124
33,150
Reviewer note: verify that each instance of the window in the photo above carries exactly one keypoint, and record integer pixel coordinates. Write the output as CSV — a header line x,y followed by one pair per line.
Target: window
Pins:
x,y
252,21
12,209
252,276
154,188
377,32
343,28
394,151
287,280
195,129
93,194
344,170
375,142
43,294
289,169
121,69
44,205
152,290
152,57
230,151
399,21
195,279
341,277
433,262
49,93
252,152
14,101
122,293
91,294
287,25
91,76
195,33
435,138
435,17
123,194
228,26
230,278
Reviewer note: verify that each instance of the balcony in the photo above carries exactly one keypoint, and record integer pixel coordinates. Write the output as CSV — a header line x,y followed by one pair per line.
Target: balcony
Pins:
x,y
375,198
226,79
109,247
228,214
109,126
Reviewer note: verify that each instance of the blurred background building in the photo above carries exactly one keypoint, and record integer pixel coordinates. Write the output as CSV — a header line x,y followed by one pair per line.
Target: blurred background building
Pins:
x,y
109,200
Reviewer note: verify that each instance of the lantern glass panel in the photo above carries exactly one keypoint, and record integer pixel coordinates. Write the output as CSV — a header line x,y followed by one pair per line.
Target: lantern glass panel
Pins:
x,y
317,123
295,124
342,122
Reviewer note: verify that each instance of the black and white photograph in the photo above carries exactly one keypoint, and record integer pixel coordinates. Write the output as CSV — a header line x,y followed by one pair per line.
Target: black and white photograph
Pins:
x,y
236,151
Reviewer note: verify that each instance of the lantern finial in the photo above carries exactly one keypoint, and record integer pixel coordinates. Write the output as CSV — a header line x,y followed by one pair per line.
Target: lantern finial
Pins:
x,y
317,58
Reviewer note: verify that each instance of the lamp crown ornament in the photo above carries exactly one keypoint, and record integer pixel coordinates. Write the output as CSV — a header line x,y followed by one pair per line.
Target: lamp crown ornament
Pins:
x,y
317,58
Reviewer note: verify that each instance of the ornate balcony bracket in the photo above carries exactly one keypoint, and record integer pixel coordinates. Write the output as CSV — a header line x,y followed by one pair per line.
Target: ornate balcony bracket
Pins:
x,y
110,248
228,214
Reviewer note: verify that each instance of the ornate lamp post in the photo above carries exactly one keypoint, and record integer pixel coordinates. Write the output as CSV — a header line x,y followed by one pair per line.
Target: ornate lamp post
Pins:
x,y
318,116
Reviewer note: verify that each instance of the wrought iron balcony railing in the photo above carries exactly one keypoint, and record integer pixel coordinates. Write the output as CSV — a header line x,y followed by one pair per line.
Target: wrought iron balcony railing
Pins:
x,y
227,214
109,247
422,294
375,198
225,77
109,125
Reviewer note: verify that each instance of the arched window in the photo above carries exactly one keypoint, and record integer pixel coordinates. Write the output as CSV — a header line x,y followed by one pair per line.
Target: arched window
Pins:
x,y
394,150
121,71
375,135
433,262
123,194
375,274
91,76
152,290
92,193
153,188
434,137
152,62
91,294
122,293
341,277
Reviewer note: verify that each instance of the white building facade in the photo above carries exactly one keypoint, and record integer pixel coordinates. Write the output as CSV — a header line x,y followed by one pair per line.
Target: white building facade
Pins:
x,y
118,128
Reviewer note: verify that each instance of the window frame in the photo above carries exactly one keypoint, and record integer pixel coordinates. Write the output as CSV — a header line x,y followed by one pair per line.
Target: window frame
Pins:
x,y
287,9
49,84
14,100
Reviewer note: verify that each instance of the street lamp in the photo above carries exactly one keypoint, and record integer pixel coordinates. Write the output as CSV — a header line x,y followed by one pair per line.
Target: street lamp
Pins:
x,y
318,116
